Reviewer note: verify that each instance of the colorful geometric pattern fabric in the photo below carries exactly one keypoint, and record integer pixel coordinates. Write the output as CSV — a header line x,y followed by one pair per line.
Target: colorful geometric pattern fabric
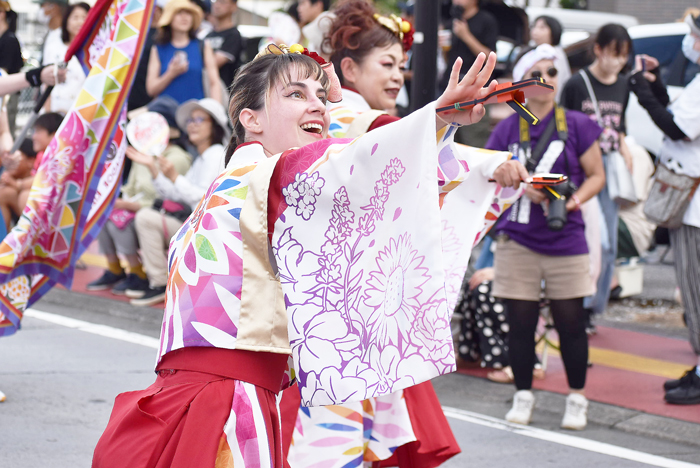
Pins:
x,y
79,176
203,296
349,435
246,441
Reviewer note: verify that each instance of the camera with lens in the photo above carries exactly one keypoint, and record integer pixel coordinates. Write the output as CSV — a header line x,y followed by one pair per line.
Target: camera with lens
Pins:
x,y
556,216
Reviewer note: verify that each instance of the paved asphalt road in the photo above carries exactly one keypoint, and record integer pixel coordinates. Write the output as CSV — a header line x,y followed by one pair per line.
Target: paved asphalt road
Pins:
x,y
61,383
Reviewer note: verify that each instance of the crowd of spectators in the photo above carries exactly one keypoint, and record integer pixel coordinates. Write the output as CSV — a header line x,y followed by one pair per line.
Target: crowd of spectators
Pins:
x,y
193,51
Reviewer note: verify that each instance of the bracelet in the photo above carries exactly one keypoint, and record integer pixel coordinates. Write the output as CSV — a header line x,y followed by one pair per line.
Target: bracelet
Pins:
x,y
33,76
576,200
453,124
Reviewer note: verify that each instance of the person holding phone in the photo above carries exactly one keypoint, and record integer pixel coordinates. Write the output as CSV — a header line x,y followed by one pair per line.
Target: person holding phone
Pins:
x,y
680,151
541,238
180,65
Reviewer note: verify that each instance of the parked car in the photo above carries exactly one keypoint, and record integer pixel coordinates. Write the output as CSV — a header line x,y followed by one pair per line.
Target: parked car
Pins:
x,y
663,42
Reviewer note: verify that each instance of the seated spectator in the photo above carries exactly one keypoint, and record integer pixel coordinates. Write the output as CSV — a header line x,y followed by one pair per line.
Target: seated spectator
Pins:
x,y
15,191
18,167
180,65
64,95
484,327
225,40
206,124
118,236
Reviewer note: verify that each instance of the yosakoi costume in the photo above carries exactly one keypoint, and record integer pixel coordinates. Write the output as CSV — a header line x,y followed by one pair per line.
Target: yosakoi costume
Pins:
x,y
405,428
337,254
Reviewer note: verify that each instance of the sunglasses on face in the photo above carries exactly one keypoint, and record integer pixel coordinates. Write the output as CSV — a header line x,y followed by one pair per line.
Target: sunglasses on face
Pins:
x,y
551,72
197,120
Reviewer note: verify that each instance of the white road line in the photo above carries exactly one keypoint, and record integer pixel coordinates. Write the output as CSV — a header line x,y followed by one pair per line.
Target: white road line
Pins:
x,y
565,439
102,330
462,415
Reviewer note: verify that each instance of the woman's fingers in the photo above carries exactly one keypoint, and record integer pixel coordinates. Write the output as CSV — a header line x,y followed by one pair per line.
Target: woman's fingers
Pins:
x,y
454,74
473,73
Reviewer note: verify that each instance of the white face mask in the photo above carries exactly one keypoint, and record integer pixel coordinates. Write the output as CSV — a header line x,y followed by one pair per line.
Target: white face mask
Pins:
x,y
41,17
689,50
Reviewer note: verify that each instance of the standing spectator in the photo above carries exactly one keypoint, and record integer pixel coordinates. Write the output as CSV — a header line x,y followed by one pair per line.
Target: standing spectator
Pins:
x,y
64,95
10,54
225,40
118,236
206,124
51,14
531,249
316,22
547,30
611,49
680,152
181,65
473,31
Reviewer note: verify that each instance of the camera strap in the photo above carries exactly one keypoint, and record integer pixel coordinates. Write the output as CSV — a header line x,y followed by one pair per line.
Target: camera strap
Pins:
x,y
534,156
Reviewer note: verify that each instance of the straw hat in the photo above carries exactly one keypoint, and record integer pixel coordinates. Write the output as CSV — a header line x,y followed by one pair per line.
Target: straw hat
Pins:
x,y
173,6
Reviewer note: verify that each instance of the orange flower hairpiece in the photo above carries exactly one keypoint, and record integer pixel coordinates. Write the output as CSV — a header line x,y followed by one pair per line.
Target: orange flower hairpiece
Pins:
x,y
335,93
401,29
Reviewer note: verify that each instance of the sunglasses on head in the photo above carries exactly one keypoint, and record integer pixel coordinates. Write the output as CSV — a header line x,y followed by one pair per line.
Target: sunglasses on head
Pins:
x,y
551,72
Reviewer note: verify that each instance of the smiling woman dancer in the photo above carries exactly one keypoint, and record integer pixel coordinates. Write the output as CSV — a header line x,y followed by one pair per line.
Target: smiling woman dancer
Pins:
x,y
225,342
369,52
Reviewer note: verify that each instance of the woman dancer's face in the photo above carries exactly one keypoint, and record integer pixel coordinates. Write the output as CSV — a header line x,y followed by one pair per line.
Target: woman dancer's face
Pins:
x,y
295,115
378,78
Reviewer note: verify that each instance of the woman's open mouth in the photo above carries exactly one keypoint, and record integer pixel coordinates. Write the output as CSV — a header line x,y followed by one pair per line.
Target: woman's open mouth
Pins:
x,y
392,92
313,128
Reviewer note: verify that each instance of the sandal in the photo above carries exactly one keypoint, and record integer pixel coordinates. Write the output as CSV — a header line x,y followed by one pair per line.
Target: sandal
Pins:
x,y
504,375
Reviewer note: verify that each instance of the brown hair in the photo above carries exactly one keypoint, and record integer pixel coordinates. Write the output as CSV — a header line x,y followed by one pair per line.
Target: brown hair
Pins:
x,y
355,33
254,82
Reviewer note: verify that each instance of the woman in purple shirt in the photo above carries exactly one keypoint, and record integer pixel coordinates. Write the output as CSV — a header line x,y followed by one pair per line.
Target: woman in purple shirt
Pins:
x,y
535,249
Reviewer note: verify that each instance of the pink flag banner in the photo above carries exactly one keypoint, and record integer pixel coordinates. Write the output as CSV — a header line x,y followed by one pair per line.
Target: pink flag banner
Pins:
x,y
80,173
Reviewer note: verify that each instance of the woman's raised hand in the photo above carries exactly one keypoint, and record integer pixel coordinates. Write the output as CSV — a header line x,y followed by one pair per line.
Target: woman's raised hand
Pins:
x,y
469,88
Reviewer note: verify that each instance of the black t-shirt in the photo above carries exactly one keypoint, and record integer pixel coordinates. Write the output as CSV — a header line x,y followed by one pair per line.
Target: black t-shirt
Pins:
x,y
10,53
138,97
612,102
230,43
484,27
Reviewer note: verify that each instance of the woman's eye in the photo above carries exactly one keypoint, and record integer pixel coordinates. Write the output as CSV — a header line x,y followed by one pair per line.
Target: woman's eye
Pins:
x,y
323,99
296,94
388,65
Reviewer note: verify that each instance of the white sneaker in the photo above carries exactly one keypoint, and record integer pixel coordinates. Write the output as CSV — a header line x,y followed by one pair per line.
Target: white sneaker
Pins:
x,y
523,403
2,397
575,417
